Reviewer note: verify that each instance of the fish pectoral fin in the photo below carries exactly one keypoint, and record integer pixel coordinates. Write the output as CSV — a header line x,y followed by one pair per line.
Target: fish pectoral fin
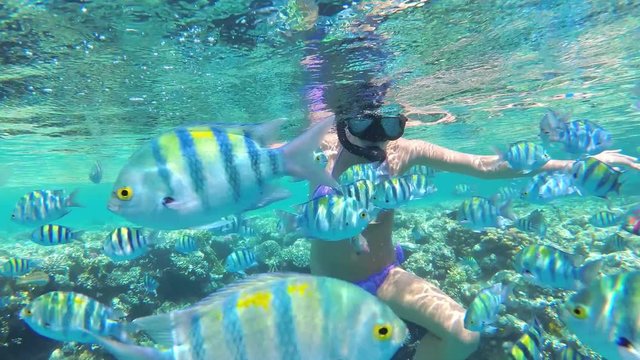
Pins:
x,y
179,205
626,348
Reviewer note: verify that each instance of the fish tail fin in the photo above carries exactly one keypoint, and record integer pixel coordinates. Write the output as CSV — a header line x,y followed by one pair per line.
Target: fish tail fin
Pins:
x,y
71,200
128,351
288,221
298,152
77,235
589,271
506,211
152,236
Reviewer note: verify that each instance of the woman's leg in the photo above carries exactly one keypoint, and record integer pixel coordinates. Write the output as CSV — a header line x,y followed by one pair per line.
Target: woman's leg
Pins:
x,y
421,302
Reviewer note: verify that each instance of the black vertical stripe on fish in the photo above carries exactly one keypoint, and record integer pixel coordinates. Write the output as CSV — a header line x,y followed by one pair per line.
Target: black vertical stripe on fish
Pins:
x,y
42,234
68,315
88,314
525,351
231,172
273,161
591,167
60,234
254,156
161,164
130,240
603,181
50,234
197,342
120,240
191,157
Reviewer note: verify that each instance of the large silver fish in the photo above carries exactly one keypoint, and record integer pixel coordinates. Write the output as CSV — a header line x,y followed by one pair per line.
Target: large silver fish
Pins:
x,y
193,176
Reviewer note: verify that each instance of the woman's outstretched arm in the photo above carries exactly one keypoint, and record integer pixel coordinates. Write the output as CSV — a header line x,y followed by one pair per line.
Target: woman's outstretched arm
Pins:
x,y
418,152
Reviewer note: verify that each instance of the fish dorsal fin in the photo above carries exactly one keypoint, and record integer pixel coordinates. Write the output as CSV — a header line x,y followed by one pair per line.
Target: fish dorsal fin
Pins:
x,y
265,133
242,284
160,327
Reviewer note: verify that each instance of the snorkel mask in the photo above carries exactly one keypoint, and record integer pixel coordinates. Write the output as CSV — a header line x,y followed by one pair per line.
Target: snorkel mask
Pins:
x,y
371,127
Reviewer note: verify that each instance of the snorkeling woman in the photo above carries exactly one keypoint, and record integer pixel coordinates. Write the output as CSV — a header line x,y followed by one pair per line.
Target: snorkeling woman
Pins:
x,y
374,138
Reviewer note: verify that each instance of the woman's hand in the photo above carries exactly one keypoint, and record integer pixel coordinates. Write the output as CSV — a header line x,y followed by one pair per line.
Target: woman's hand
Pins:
x,y
614,157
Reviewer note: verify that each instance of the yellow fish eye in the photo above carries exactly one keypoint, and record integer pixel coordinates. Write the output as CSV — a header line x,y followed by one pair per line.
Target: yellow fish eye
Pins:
x,y
579,312
382,332
363,214
124,193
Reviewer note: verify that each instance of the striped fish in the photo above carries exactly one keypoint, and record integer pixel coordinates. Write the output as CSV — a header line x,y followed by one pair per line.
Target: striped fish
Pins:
x,y
232,224
549,267
533,223
524,156
547,186
594,177
369,171
420,186
461,189
478,213
604,219
330,217
186,244
571,352
392,193
362,191
15,267
70,316
616,242
150,284
193,176
530,345
507,193
274,316
126,243
606,315
485,307
239,261
49,235
421,170
631,222
578,137
42,206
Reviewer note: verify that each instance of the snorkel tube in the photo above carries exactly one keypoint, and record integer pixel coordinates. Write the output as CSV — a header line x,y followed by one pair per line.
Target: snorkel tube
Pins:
x,y
371,153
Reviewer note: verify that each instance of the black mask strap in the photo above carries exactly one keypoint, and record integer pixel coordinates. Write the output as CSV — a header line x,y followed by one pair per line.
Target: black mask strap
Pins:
x,y
371,153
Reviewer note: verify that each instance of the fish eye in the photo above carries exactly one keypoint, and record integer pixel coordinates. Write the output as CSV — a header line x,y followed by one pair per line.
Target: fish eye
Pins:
x,y
124,193
363,214
579,312
526,271
27,312
318,158
13,216
382,332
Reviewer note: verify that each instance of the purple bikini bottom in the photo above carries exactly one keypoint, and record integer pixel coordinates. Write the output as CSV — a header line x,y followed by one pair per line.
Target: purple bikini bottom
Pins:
x,y
373,282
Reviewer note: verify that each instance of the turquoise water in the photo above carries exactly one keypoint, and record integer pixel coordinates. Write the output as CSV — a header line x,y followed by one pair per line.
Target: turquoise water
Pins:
x,y
93,80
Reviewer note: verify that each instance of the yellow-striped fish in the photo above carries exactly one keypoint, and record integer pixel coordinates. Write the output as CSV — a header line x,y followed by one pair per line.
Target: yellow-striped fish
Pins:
x,y
70,316
15,267
274,316
50,235
529,346
606,315
195,175
42,206
125,243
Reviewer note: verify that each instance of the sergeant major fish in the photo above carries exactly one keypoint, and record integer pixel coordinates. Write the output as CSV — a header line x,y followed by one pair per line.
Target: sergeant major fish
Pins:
x,y
126,243
533,223
15,267
50,235
195,175
239,261
484,308
530,345
273,316
606,315
42,206
549,267
603,219
594,177
524,156
578,137
545,187
70,316
186,244
478,213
